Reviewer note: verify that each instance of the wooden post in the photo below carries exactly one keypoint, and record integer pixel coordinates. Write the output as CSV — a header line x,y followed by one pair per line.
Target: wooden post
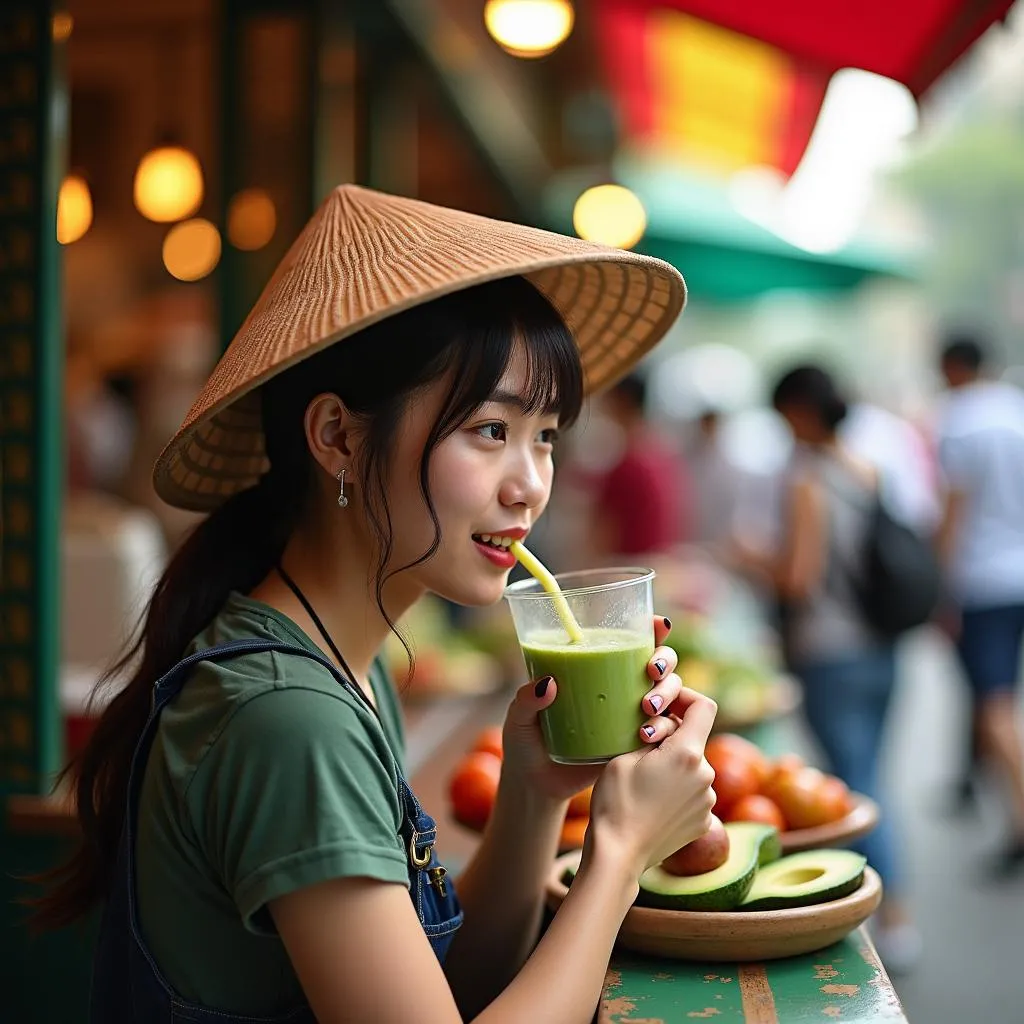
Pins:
x,y
33,113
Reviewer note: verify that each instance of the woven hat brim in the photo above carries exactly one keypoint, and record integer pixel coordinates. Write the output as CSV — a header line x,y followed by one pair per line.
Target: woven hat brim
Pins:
x,y
617,305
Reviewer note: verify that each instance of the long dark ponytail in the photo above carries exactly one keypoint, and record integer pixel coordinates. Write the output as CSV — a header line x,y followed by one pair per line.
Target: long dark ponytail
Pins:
x,y
467,338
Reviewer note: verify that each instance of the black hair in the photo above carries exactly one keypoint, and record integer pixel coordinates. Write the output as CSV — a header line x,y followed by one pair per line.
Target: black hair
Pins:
x,y
814,389
467,339
963,349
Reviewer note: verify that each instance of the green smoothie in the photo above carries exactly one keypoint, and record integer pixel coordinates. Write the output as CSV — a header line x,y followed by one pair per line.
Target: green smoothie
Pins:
x,y
601,682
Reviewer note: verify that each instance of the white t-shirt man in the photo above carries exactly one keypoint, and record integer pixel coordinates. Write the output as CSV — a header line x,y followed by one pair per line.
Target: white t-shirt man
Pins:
x,y
981,451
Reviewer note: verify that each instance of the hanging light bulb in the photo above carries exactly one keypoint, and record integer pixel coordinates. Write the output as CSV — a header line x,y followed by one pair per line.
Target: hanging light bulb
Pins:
x,y
611,215
191,249
529,28
168,184
74,209
252,219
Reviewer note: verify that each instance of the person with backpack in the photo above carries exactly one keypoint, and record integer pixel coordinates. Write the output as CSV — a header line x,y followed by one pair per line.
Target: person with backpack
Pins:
x,y
820,574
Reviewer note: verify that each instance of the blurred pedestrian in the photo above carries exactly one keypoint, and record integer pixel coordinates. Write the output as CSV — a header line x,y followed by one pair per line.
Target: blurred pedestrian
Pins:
x,y
847,670
981,450
715,481
623,522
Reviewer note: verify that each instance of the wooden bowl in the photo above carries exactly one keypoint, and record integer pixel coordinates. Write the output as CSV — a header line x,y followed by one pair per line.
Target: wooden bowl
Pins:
x,y
861,820
735,935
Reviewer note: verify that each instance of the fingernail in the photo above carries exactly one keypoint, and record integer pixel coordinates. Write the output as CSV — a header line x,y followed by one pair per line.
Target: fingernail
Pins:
x,y
542,687
648,731
661,665
667,621
655,701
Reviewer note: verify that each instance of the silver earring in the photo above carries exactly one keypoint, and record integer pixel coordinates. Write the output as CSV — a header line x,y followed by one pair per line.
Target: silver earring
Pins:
x,y
342,496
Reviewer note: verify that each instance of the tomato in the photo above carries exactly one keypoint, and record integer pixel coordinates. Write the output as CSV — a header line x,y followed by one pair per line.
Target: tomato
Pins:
x,y
778,769
573,831
802,799
491,741
579,805
729,746
734,779
757,808
474,787
835,796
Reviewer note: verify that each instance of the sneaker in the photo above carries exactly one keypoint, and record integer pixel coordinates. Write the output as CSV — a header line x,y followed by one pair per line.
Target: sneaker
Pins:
x,y
899,947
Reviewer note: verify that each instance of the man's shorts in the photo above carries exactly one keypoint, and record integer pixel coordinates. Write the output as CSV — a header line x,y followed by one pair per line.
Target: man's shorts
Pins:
x,y
990,648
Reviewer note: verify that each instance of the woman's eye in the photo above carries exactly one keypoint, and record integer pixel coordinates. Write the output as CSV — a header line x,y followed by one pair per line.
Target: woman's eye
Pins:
x,y
493,431
549,436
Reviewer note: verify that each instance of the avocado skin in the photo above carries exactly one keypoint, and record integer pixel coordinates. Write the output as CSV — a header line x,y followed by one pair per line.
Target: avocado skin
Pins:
x,y
751,845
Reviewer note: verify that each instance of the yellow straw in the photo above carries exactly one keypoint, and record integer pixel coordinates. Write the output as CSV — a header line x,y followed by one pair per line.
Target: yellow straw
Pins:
x,y
537,570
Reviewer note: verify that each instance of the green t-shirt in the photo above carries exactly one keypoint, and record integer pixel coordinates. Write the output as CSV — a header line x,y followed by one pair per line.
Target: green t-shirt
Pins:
x,y
265,776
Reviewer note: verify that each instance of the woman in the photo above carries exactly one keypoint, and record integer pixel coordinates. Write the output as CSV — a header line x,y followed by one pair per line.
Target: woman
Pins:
x,y
847,670
391,401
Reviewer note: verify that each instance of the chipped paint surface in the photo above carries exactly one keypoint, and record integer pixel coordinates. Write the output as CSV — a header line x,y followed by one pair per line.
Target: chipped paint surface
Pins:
x,y
843,983
840,990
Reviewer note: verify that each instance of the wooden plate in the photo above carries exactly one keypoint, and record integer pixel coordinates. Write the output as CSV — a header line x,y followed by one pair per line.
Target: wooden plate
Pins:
x,y
861,820
735,935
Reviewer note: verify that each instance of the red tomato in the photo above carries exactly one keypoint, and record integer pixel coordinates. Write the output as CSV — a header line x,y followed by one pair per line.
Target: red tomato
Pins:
x,y
780,767
474,787
758,808
734,779
801,798
835,798
573,831
490,740
729,746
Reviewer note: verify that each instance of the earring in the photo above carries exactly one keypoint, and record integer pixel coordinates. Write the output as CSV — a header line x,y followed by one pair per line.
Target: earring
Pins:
x,y
342,496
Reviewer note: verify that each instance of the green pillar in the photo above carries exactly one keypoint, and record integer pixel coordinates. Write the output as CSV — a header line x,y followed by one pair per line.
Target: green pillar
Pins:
x,y
33,112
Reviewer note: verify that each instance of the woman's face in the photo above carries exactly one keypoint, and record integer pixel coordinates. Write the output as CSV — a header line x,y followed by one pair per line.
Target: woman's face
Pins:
x,y
802,422
491,478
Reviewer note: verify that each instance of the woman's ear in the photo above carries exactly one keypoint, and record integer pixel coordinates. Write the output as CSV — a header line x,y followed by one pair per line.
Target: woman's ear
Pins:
x,y
331,433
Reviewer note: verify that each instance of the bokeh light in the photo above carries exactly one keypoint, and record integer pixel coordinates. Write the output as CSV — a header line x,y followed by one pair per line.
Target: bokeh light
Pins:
x,y
168,184
611,215
252,219
191,249
74,209
529,28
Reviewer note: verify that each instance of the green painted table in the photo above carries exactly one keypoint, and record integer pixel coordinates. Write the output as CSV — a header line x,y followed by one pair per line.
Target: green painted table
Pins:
x,y
844,982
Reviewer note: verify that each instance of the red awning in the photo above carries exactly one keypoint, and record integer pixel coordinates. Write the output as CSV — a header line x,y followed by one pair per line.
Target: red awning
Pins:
x,y
912,41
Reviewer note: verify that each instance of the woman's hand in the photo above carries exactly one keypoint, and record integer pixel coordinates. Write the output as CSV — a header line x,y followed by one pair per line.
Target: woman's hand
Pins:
x,y
525,756
651,802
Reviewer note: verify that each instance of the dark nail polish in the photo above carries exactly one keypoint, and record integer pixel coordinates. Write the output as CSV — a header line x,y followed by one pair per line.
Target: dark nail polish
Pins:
x,y
542,686
661,665
668,622
656,702
648,731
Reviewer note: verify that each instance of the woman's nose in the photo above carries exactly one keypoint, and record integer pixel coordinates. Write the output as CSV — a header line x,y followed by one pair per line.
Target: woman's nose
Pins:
x,y
525,484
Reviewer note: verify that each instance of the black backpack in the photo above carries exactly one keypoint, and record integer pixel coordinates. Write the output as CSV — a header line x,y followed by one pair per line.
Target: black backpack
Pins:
x,y
900,584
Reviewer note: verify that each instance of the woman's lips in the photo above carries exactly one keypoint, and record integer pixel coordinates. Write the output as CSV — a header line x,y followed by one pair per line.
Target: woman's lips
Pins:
x,y
499,556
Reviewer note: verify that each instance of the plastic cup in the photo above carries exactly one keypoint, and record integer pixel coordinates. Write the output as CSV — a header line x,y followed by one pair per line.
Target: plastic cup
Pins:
x,y
596,714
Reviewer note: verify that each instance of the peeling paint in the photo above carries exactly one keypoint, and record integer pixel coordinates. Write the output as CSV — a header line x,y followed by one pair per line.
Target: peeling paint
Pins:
x,y
708,1011
832,1011
710,977
662,976
822,972
840,990
621,1005
613,978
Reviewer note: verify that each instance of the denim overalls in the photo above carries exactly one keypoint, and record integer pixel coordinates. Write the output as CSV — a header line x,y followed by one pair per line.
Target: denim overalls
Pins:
x,y
128,987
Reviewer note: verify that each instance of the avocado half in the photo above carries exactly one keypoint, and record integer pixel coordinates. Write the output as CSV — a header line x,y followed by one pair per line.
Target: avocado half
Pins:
x,y
804,879
750,845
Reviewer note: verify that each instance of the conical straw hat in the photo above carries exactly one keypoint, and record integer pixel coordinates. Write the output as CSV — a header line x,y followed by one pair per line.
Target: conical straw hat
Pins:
x,y
364,256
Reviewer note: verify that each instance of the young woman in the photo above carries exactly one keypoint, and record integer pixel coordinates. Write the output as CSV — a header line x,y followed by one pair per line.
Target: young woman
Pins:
x,y
392,401
847,670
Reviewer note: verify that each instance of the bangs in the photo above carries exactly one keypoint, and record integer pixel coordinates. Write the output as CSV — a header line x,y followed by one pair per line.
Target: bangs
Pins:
x,y
500,320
